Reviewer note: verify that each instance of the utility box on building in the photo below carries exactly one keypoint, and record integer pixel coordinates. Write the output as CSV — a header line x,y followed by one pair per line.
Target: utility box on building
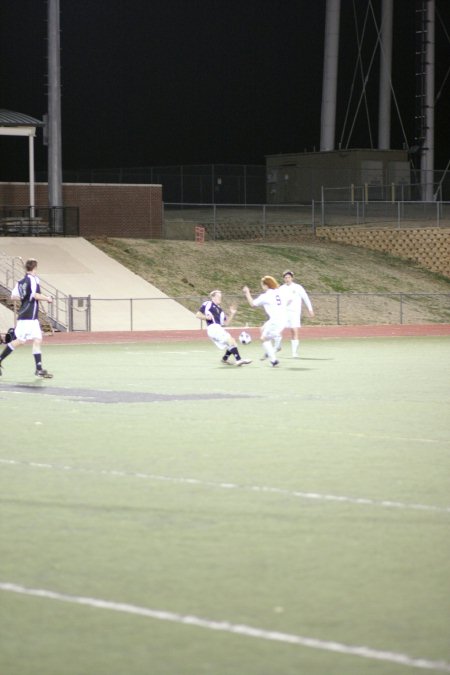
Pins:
x,y
299,177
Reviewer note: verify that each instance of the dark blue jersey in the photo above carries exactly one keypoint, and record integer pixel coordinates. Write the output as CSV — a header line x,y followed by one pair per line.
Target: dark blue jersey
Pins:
x,y
26,289
210,308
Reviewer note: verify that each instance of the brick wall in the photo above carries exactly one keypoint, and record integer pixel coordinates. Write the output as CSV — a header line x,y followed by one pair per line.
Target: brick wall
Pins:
x,y
111,210
429,247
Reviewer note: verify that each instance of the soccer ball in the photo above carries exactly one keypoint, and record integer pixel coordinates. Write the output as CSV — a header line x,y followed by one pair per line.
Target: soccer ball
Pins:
x,y
245,338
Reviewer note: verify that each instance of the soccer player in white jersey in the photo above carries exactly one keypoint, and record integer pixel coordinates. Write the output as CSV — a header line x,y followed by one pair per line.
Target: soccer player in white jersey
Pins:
x,y
295,296
211,311
28,291
275,307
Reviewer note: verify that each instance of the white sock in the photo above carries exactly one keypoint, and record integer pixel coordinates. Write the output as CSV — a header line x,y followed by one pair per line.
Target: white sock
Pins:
x,y
294,344
269,350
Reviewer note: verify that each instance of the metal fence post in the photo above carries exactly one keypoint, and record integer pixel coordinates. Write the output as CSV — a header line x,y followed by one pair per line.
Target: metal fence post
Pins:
x,y
70,313
245,184
264,221
88,316
214,217
323,208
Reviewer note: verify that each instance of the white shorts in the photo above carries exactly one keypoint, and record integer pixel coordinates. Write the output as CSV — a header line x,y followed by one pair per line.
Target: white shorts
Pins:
x,y
218,335
271,330
28,329
292,320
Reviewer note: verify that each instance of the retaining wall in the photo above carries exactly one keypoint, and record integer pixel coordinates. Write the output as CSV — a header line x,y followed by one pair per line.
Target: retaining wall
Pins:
x,y
428,247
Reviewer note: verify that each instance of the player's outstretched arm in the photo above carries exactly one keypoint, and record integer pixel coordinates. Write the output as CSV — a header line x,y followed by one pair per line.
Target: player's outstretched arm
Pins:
x,y
248,296
231,314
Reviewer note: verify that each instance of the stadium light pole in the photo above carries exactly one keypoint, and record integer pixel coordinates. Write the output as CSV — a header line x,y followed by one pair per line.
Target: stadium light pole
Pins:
x,y
427,159
54,114
384,114
330,69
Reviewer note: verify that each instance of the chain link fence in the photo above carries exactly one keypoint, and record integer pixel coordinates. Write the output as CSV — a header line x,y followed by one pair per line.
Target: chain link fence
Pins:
x,y
189,183
286,221
331,309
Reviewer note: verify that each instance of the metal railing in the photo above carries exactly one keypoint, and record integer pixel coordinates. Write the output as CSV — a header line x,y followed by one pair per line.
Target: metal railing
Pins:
x,y
37,221
404,191
11,271
397,214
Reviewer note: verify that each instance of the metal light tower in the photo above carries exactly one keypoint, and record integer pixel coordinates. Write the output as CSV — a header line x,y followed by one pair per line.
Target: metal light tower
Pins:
x,y
427,159
54,111
384,110
330,69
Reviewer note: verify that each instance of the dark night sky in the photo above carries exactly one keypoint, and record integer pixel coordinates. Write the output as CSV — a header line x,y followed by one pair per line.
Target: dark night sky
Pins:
x,y
157,82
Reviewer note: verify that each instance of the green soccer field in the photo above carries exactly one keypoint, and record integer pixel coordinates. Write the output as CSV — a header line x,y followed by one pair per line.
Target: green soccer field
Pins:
x,y
165,515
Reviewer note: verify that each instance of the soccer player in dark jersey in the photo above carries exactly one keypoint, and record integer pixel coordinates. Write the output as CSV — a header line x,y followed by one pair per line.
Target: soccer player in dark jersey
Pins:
x,y
216,319
28,291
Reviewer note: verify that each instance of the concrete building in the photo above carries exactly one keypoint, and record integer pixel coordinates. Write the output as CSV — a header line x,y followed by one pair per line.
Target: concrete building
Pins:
x,y
299,177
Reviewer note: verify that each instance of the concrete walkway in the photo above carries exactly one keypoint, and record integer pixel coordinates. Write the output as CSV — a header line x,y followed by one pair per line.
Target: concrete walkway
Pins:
x,y
77,268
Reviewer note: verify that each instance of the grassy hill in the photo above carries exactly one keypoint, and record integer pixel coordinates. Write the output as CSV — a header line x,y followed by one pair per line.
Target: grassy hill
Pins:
x,y
189,271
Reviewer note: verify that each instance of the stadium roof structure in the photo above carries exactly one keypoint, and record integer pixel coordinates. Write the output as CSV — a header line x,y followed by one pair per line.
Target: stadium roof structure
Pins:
x,y
17,124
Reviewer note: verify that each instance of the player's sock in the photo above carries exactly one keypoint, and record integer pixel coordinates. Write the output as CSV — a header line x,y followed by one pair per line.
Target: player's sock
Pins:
x,y
294,344
38,361
277,342
226,355
6,352
235,352
269,349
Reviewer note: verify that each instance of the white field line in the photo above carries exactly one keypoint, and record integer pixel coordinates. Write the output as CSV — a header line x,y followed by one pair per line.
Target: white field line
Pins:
x,y
236,629
363,501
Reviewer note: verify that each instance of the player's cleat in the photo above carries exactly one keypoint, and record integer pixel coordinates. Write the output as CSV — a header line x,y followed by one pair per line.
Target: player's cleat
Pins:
x,y
226,362
44,374
243,362
274,363
263,358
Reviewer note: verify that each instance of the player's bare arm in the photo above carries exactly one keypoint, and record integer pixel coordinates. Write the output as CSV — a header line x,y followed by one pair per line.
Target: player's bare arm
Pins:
x,y
41,296
248,295
231,314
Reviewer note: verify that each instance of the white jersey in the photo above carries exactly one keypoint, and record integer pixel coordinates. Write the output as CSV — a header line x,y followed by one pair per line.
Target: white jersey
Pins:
x,y
274,304
295,295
